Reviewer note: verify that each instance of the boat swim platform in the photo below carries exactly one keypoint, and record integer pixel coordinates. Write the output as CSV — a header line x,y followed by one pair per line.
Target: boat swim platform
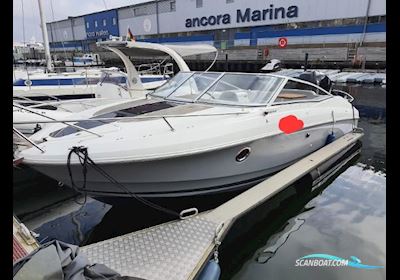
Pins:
x,y
180,249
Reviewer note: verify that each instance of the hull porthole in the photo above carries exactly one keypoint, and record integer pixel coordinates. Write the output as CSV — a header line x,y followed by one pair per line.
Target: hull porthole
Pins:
x,y
243,154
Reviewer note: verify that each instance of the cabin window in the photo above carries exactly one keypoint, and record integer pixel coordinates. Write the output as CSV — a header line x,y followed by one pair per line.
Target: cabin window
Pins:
x,y
95,23
294,91
140,11
84,81
114,21
104,22
87,25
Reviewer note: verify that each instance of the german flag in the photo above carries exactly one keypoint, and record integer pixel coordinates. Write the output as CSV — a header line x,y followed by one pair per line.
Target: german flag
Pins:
x,y
129,36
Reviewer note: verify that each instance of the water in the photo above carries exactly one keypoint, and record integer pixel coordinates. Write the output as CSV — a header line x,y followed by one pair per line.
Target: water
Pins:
x,y
343,217
346,217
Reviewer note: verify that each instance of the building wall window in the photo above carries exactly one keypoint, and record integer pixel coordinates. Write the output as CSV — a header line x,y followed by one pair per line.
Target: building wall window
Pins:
x,y
144,10
199,3
104,22
172,6
326,23
95,23
374,19
114,21
87,25
229,1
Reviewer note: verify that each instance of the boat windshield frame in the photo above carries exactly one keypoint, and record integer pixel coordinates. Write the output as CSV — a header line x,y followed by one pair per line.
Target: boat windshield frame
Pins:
x,y
198,99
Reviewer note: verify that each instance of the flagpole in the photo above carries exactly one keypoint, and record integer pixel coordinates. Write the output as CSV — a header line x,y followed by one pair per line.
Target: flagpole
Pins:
x,y
158,24
127,33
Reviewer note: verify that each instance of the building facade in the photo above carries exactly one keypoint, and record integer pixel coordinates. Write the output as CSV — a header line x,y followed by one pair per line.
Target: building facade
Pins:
x,y
230,23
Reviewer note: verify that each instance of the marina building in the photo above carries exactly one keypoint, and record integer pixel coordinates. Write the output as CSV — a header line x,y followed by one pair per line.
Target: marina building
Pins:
x,y
257,25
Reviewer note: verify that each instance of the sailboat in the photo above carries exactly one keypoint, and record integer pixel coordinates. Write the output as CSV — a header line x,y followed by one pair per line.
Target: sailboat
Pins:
x,y
81,83
109,92
88,59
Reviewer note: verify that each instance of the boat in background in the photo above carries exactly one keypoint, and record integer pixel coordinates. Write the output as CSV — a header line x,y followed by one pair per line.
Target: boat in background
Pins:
x,y
272,65
115,86
42,86
70,85
88,59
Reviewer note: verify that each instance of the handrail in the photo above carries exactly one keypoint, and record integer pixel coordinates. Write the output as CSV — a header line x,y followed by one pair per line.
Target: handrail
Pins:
x,y
34,103
24,98
156,66
133,118
64,122
167,71
350,97
46,94
20,134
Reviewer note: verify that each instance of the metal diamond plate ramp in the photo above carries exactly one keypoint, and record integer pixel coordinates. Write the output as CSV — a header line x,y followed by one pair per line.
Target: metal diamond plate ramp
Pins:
x,y
167,251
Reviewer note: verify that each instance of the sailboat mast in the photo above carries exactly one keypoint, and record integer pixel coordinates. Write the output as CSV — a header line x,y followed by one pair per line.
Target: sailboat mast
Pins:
x,y
45,37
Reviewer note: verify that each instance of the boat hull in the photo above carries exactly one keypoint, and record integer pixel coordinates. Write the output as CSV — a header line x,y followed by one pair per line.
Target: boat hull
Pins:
x,y
203,173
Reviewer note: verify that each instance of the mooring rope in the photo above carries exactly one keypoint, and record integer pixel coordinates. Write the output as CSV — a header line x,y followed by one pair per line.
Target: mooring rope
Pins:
x,y
85,161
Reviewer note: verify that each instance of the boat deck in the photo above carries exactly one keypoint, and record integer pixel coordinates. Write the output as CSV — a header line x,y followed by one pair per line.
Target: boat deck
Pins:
x,y
180,249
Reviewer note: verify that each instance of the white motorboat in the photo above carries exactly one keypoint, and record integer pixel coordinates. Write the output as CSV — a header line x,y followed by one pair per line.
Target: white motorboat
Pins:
x,y
200,133
113,84
272,65
88,59
41,86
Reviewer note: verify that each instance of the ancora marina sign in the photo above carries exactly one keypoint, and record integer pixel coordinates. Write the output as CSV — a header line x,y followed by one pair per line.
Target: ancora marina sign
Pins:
x,y
243,16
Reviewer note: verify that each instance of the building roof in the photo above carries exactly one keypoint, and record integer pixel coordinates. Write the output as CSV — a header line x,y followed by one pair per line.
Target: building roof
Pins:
x,y
102,11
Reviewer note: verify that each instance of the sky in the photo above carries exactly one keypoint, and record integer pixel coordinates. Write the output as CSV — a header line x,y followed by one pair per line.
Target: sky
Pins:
x,y
61,10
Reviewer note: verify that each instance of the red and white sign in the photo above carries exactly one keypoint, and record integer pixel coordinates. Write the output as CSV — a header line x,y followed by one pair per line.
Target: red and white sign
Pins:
x,y
282,42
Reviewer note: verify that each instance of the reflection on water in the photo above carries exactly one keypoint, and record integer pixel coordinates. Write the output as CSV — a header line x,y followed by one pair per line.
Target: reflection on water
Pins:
x,y
74,227
277,240
371,103
347,219
344,217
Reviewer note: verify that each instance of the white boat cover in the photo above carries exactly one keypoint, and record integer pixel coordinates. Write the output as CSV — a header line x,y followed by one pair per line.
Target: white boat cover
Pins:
x,y
144,49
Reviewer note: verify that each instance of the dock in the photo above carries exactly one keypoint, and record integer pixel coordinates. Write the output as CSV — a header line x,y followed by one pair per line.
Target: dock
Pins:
x,y
181,249
24,242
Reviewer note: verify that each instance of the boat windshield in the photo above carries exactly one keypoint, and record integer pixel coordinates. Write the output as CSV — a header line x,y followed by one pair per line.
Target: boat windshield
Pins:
x,y
172,84
221,88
